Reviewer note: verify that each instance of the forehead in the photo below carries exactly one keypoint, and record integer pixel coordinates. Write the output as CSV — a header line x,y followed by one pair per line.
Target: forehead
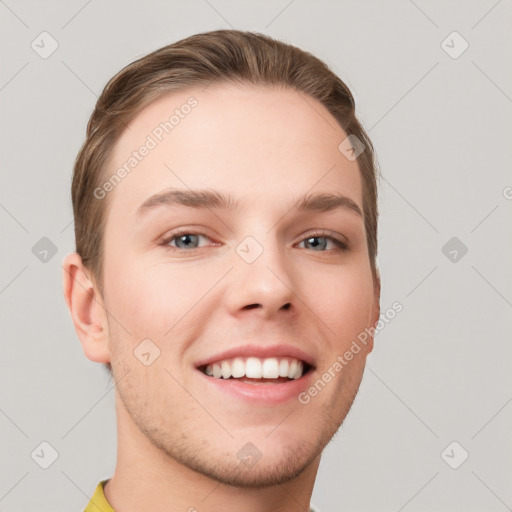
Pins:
x,y
256,142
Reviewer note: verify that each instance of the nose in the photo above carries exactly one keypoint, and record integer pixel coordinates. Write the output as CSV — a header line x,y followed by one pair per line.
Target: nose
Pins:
x,y
262,278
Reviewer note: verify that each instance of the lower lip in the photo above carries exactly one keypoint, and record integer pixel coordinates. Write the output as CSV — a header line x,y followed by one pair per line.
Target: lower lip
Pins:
x,y
264,393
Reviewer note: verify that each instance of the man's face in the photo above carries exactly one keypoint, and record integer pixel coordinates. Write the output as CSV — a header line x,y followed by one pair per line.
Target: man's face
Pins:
x,y
263,275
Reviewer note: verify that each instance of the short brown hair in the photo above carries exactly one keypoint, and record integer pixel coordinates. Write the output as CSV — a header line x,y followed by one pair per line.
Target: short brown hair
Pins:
x,y
221,56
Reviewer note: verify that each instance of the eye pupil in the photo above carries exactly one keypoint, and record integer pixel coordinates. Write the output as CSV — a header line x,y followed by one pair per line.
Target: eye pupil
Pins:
x,y
309,240
318,242
184,238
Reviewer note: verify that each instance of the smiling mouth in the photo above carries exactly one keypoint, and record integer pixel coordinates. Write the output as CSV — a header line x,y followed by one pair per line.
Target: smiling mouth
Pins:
x,y
255,370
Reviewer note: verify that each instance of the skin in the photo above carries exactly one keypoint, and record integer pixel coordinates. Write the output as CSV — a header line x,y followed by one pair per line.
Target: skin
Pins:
x,y
178,437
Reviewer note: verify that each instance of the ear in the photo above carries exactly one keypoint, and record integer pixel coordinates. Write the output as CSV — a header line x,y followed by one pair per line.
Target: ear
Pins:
x,y
376,306
87,310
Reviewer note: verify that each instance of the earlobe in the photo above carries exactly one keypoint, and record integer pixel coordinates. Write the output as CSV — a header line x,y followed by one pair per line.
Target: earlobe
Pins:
x,y
85,305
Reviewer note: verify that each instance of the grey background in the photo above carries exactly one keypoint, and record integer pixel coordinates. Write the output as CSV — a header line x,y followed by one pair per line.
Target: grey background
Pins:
x,y
442,127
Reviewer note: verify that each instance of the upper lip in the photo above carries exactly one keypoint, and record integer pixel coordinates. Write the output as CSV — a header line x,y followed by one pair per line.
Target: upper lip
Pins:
x,y
252,350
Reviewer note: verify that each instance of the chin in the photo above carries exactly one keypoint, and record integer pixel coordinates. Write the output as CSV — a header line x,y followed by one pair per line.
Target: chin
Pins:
x,y
267,471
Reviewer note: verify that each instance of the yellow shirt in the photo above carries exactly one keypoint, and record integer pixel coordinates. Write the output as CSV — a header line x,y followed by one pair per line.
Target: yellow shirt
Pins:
x,y
99,503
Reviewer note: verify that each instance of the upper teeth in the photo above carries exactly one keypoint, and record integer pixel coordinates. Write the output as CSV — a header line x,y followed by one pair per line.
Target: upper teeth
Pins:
x,y
256,368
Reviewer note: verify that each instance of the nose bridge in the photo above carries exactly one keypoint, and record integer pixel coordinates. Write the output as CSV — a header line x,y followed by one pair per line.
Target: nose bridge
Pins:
x,y
262,273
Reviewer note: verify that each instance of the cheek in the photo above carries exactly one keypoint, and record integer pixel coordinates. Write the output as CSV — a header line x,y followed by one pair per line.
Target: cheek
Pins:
x,y
153,298
343,300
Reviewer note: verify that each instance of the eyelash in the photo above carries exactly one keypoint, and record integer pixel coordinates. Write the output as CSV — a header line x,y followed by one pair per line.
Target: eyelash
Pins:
x,y
342,246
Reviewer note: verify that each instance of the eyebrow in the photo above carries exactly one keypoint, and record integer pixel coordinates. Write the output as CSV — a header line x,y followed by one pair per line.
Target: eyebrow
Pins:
x,y
206,198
